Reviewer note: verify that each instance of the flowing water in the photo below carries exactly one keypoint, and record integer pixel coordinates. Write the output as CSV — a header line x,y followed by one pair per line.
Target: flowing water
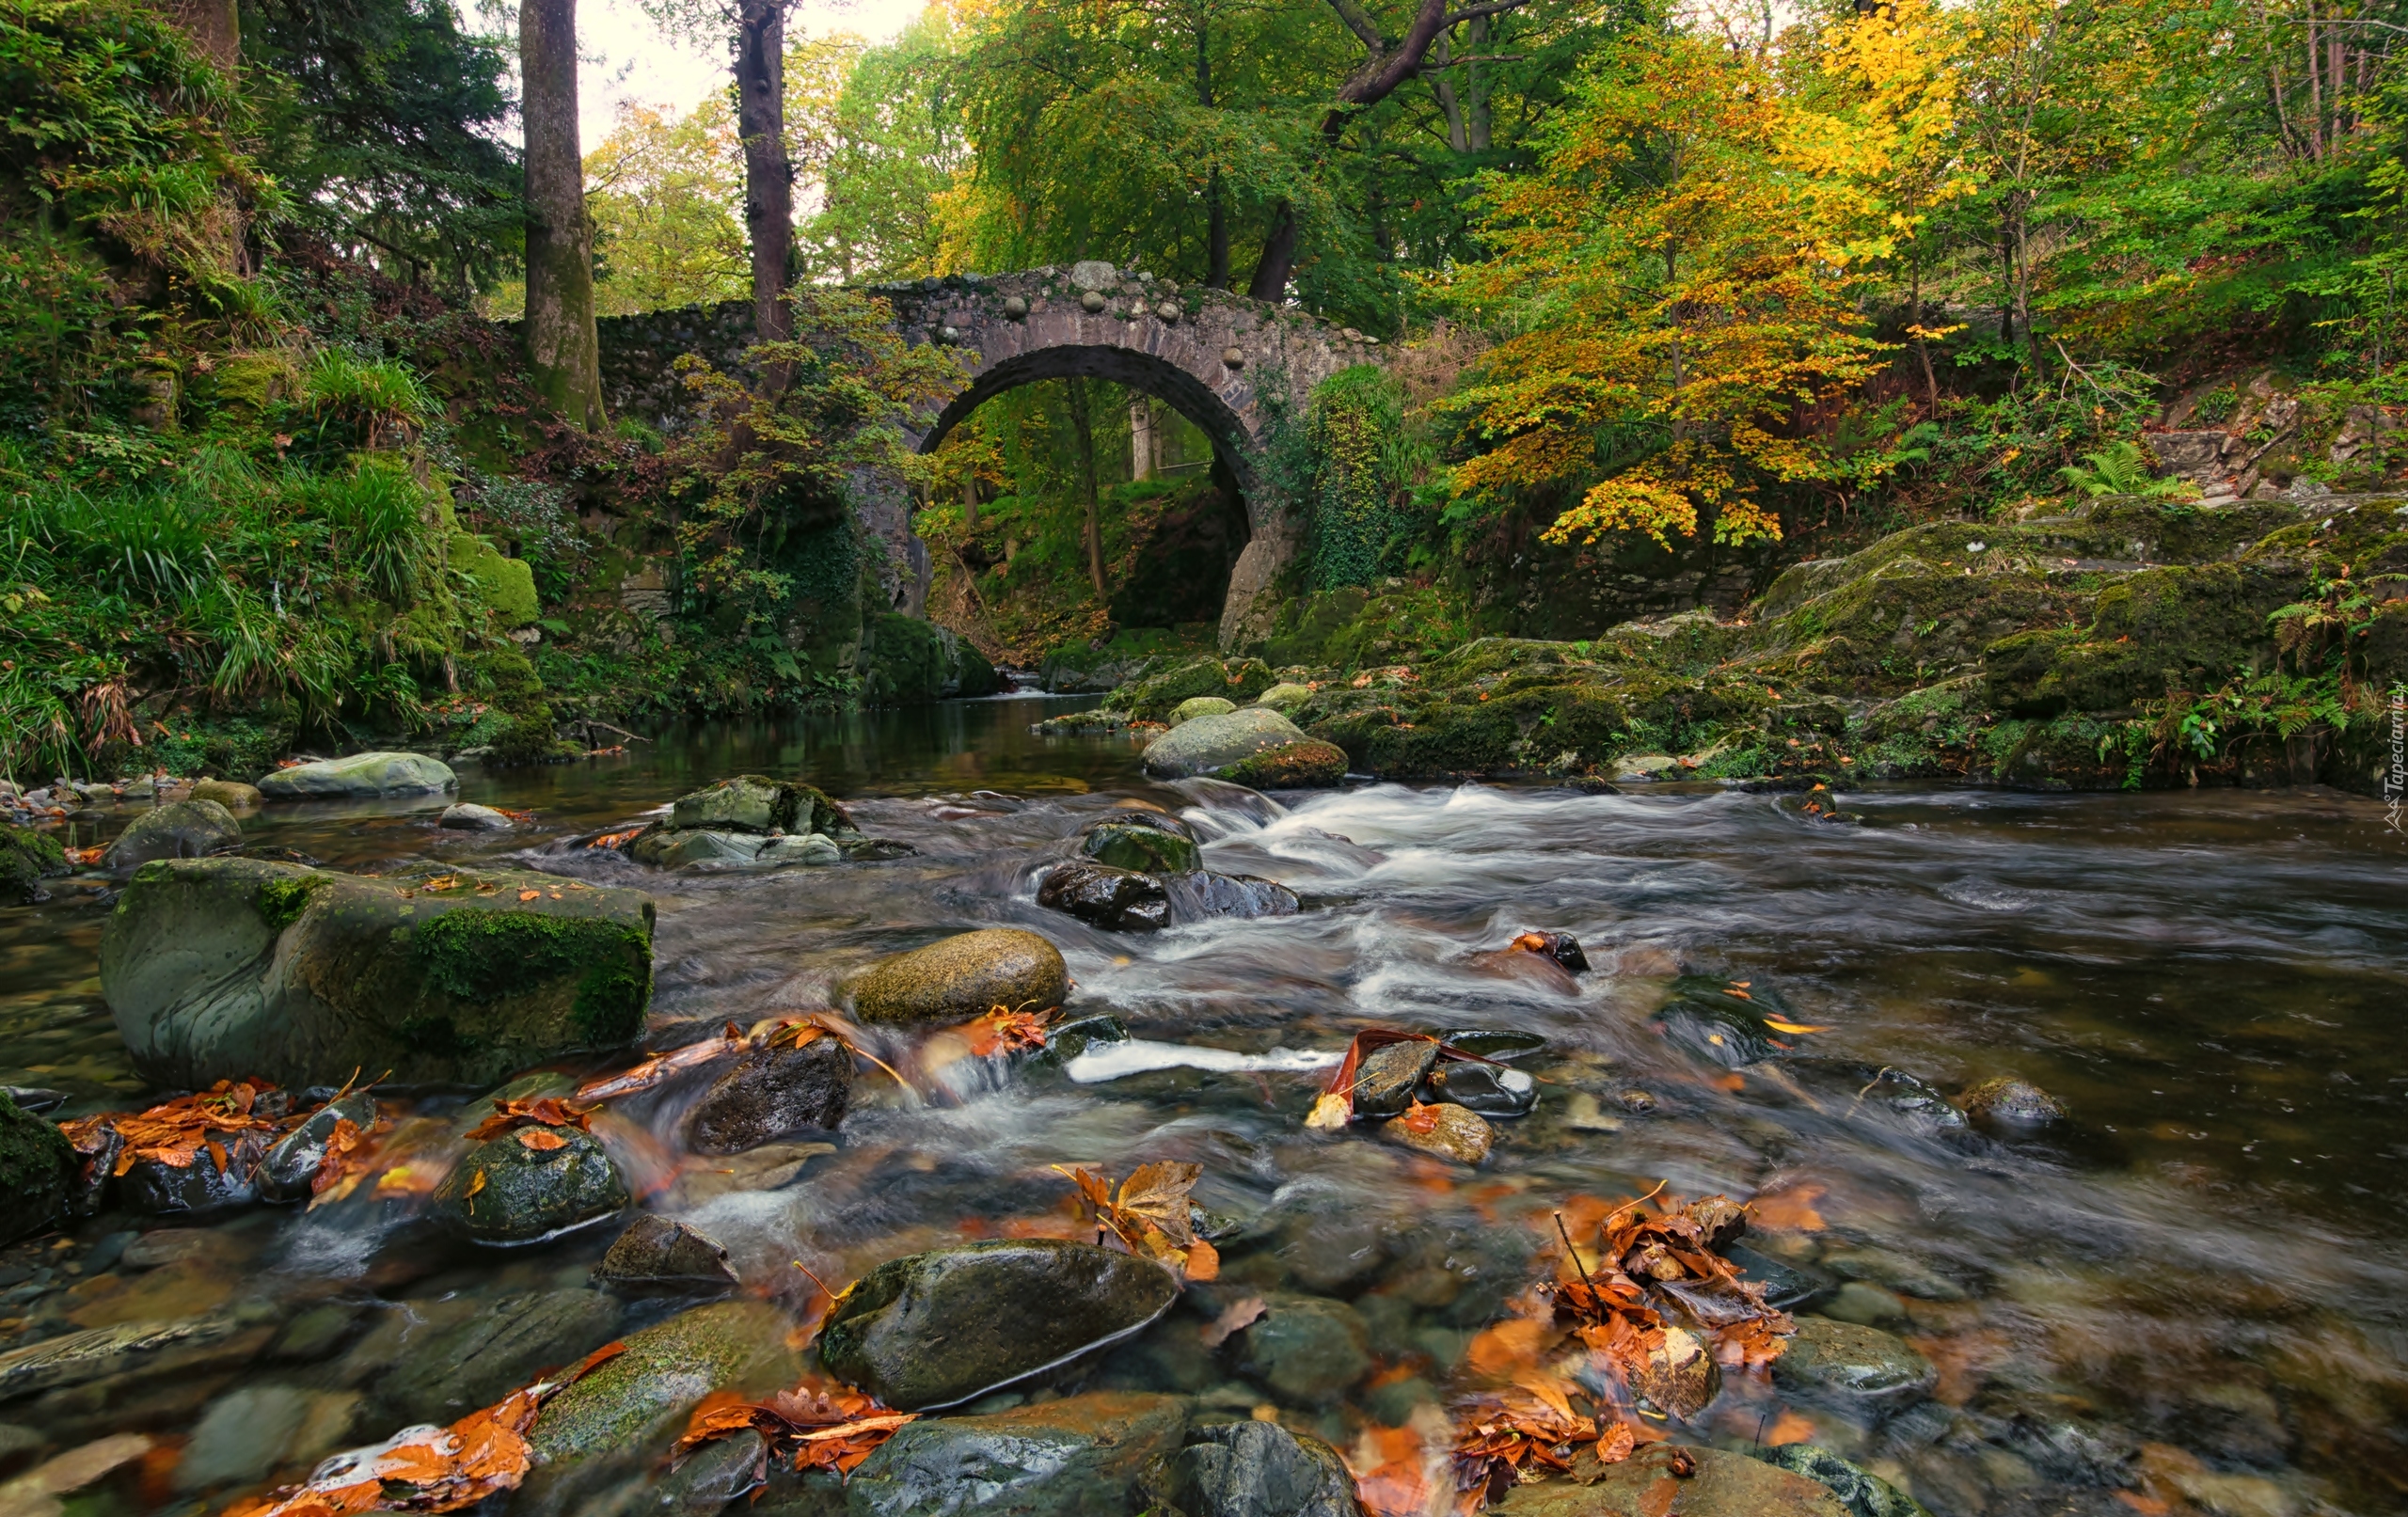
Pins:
x,y
2195,1291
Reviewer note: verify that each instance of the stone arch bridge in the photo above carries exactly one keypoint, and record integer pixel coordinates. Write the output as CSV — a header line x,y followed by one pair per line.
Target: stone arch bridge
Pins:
x,y
1214,357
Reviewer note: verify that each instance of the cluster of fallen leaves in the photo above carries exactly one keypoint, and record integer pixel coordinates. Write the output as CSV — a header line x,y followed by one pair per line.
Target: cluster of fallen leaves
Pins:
x,y
1653,1270
1738,989
1335,1108
536,1120
1002,1030
615,840
429,1469
1150,1214
817,1425
178,1131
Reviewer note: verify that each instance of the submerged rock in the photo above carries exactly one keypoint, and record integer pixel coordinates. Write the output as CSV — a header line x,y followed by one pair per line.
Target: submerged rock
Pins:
x,y
361,774
1861,1492
1787,1285
234,968
1307,1351
466,817
1446,1129
937,1329
37,1169
506,1191
657,1254
1680,1378
2008,1102
1719,1484
957,978
1253,1469
1125,842
505,1343
26,859
179,829
1117,900
1845,1357
1703,1021
291,1168
1082,1455
1210,744
770,1093
672,848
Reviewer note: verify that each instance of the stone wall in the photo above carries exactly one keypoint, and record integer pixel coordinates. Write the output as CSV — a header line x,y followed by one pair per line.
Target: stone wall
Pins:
x,y
640,354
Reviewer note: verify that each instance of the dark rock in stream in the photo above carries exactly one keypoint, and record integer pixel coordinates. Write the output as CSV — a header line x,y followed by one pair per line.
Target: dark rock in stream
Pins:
x,y
1445,1130
1485,1089
1082,1455
505,1343
712,1476
504,1193
1307,1351
1862,1492
205,1185
1849,1358
293,1164
1125,842
936,1329
2011,1103
1560,947
1205,896
26,859
1069,1040
37,1170
179,829
957,978
1506,1043
770,1093
1719,1484
1386,1079
658,1256
1117,900
1253,1469
1786,1285
1707,1022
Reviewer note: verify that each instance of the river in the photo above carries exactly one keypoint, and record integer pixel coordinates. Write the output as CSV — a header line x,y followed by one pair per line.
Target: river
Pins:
x,y
2201,1278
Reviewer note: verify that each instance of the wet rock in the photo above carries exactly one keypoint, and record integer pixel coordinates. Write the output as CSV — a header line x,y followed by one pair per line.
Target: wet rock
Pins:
x,y
1117,900
1504,1043
1309,764
1140,845
1307,1351
232,794
2011,1103
658,1256
1680,1378
957,978
1717,1028
1485,1088
1865,1304
202,1187
1082,1455
466,817
811,849
503,1344
1200,706
770,1167
36,1493
1720,1485
1862,1492
180,829
1253,1469
1905,1275
772,1092
673,848
1387,1078
151,1348
26,859
1205,896
1848,1356
1069,1040
505,1192
253,1430
1210,744
36,1171
1787,1285
752,821
711,1476
1918,1107
1285,696
634,1402
361,774
313,1336
234,967
943,1327
1560,947
292,1167
755,803
1446,1129
35,1097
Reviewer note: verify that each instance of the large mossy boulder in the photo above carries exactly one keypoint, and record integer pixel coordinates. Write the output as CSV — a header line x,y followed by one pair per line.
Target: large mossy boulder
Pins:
x,y
1310,765
26,859
223,967
757,803
937,1329
1145,841
36,1168
360,775
179,829
957,978
1082,1455
1209,745
1157,697
528,1186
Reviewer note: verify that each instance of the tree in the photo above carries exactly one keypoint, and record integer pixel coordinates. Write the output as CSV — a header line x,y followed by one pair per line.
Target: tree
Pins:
x,y
666,192
562,348
757,29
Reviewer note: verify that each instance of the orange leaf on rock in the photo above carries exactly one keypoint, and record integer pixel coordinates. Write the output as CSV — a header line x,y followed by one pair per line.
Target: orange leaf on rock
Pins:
x,y
530,896
1790,1208
549,1110
542,1139
1235,1318
1616,1443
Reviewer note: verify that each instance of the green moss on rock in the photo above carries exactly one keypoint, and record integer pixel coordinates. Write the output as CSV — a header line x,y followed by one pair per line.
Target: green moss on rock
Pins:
x,y
26,859
35,1168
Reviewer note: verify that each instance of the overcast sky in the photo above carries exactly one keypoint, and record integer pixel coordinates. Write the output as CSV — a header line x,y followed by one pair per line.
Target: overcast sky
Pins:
x,y
628,59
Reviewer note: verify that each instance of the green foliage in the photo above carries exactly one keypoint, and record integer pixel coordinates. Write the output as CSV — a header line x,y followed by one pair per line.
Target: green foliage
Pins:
x,y
2123,469
1362,460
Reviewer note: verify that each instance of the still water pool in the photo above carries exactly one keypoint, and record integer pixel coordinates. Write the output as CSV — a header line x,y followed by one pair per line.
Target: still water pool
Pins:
x,y
2190,1296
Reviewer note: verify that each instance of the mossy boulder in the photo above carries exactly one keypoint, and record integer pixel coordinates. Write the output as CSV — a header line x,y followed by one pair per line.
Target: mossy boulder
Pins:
x,y
36,1168
360,775
904,660
1201,705
1207,745
533,1184
1157,696
1302,765
1285,696
26,859
755,803
1141,846
222,968
943,1327
179,829
754,820
505,584
957,978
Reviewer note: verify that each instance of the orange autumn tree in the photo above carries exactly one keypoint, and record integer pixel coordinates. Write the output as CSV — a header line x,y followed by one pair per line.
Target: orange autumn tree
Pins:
x,y
1678,298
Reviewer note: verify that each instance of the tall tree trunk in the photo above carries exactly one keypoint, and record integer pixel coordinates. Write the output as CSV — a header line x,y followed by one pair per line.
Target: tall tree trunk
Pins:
x,y
1458,128
1216,205
561,347
1141,437
768,178
970,498
1083,426
1476,112
1923,346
